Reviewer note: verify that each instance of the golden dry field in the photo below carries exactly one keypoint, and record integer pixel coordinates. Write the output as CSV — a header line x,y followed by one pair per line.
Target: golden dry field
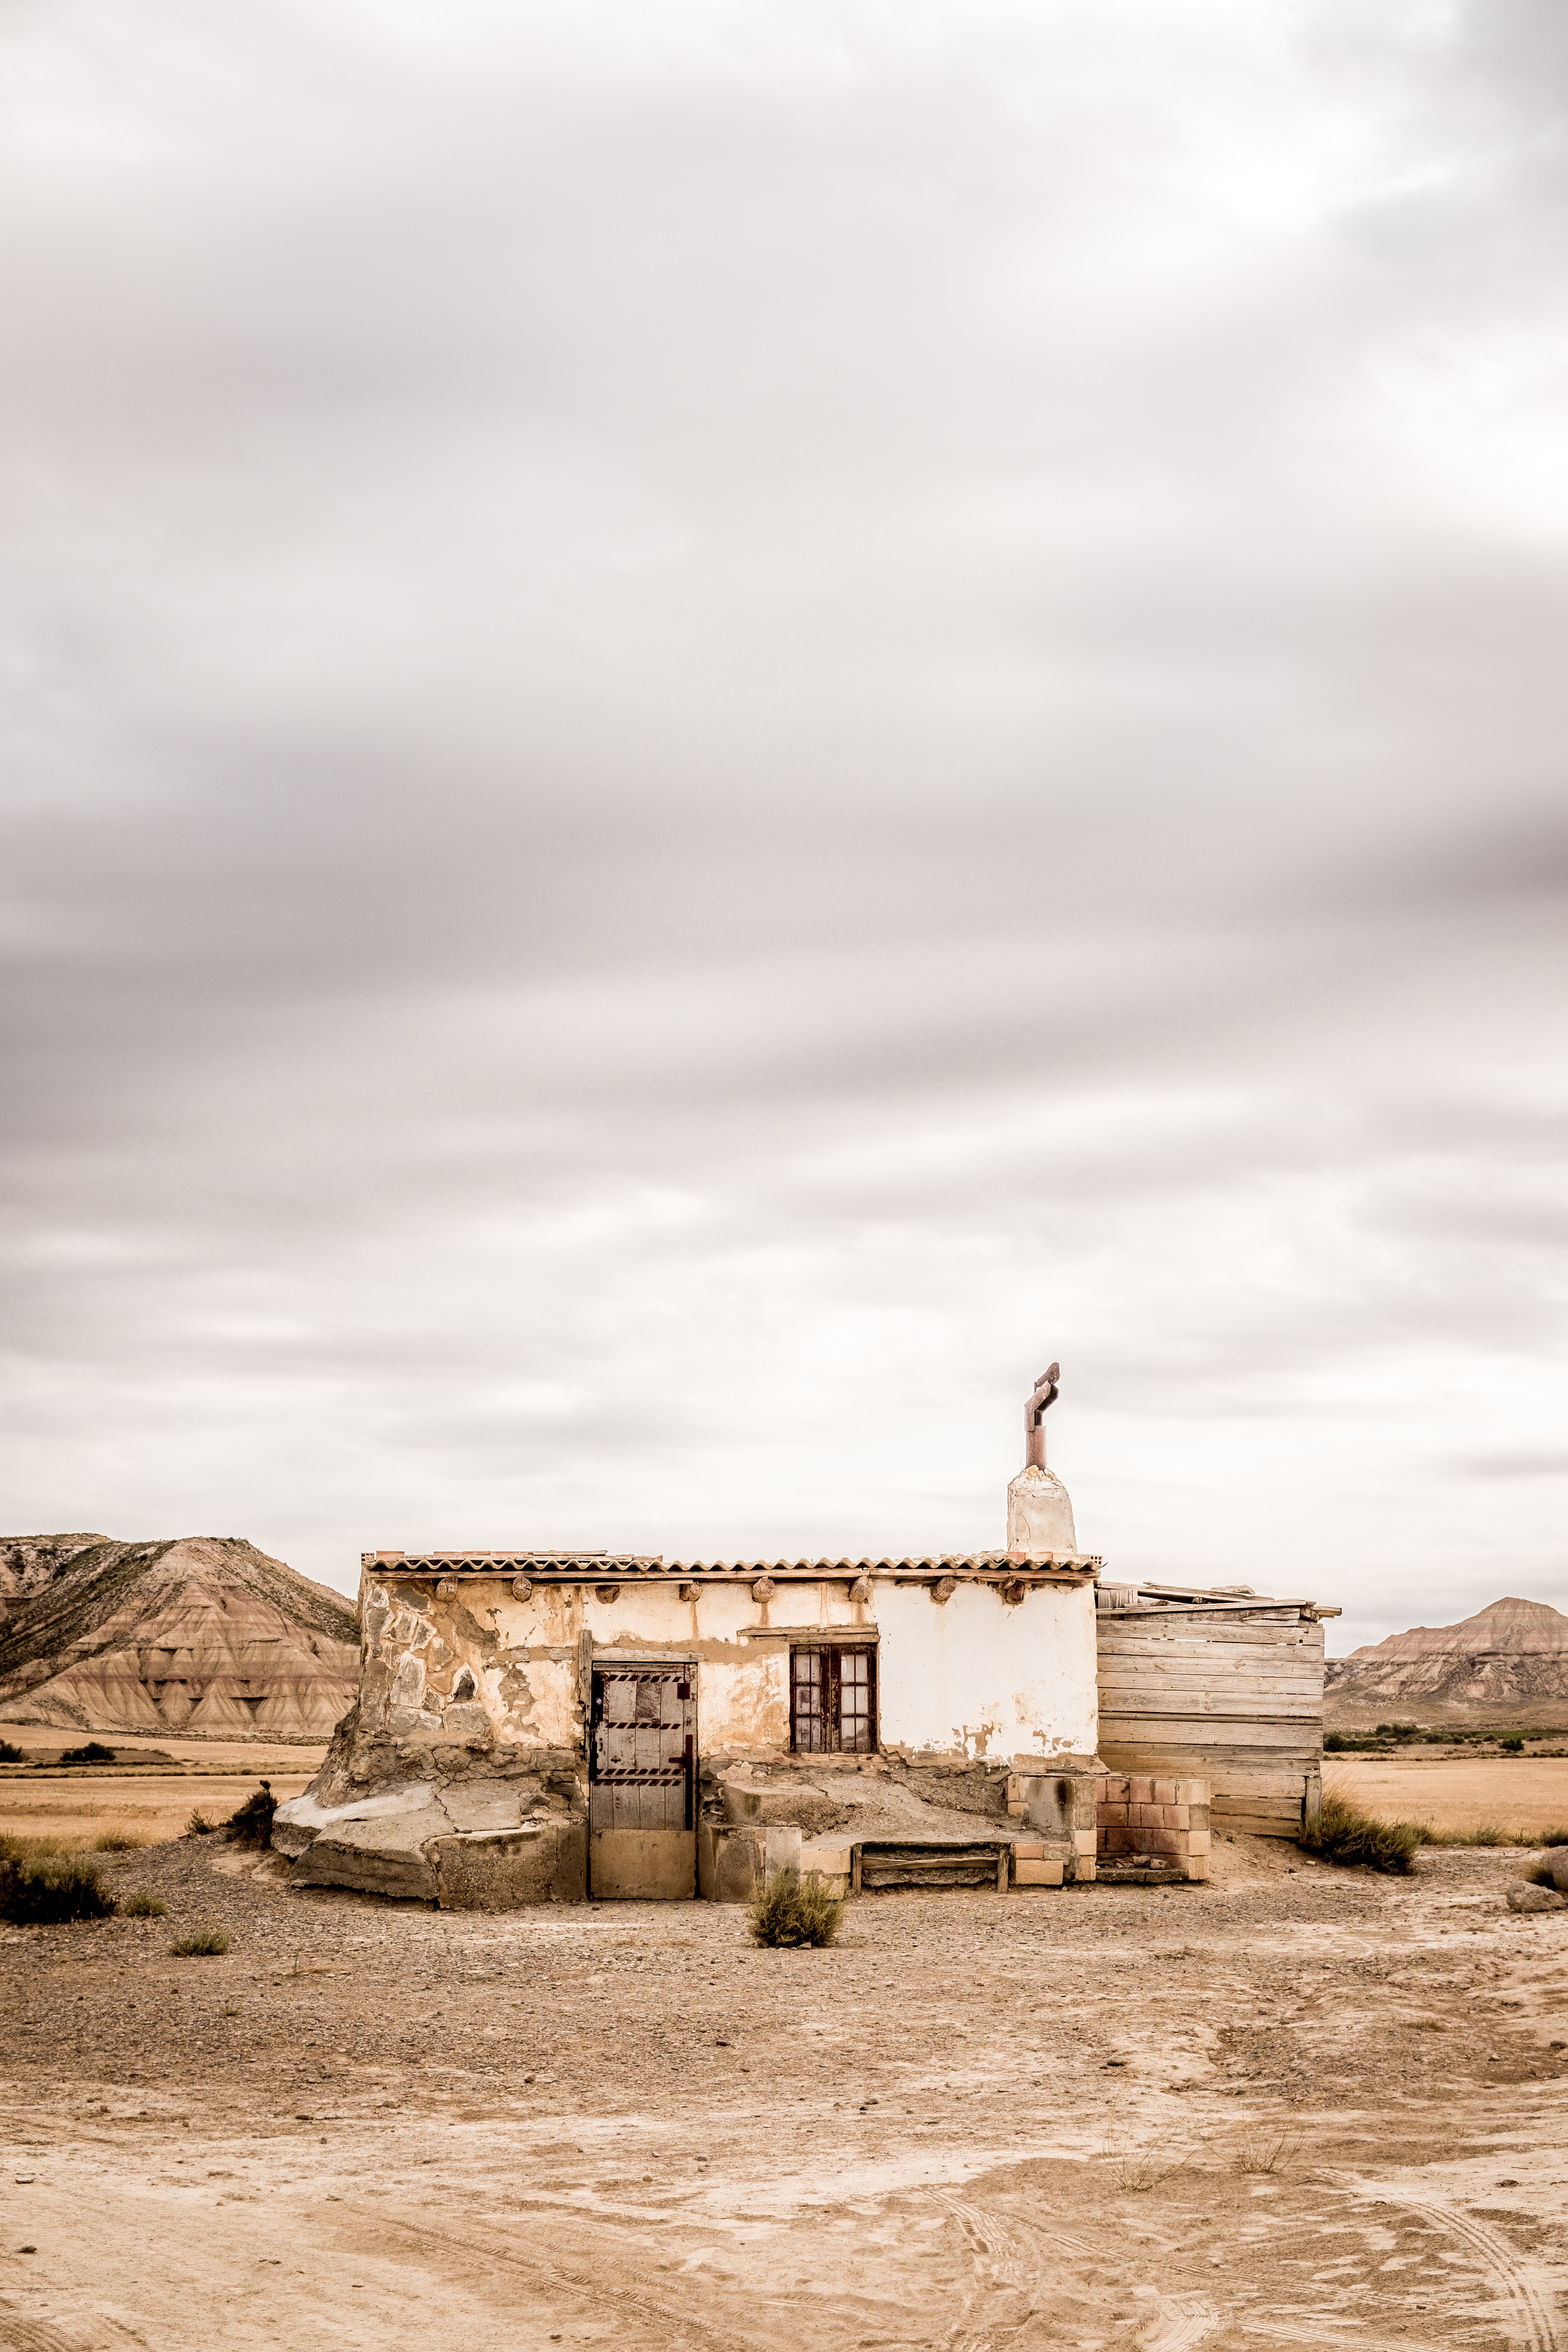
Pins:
x,y
75,1805
1522,1794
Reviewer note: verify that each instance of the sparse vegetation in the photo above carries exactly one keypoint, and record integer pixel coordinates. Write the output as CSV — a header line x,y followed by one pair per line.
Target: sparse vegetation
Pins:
x,y
1345,1834
1135,2171
92,1752
46,1894
1390,1736
1551,1837
32,1849
206,1944
789,1910
10,1753
1265,2151
198,1825
142,1905
118,1842
252,1821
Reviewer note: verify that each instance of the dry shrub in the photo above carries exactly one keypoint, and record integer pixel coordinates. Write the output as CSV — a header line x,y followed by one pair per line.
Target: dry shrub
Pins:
x,y
10,1753
198,1825
142,1905
206,1944
119,1842
1135,2171
789,1910
1265,2151
1551,1837
47,1894
252,1821
1343,1833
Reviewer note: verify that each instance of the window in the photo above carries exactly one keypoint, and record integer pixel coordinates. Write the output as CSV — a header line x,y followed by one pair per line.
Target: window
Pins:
x,y
833,1701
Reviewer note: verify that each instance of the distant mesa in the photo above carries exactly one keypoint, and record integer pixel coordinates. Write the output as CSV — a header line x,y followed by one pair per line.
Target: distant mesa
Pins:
x,y
200,1635
1509,1658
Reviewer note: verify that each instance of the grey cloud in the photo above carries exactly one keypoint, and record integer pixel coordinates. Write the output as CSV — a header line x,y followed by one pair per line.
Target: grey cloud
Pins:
x,y
759,711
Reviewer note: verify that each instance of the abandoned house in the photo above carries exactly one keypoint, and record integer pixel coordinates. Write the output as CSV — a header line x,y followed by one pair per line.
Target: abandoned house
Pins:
x,y
545,1727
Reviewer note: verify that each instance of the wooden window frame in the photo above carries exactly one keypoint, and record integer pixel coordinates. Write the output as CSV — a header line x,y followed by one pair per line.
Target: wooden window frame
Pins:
x,y
830,1714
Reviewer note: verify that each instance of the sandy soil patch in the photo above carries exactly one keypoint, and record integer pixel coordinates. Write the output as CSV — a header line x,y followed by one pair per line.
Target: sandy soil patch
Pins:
x,y
1305,2106
1527,1793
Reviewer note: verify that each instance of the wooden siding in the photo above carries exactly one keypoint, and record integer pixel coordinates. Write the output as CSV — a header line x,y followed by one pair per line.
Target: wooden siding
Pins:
x,y
1235,1698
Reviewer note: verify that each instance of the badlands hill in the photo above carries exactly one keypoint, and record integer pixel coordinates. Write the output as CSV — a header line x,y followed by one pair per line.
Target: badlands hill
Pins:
x,y
1508,1661
204,1635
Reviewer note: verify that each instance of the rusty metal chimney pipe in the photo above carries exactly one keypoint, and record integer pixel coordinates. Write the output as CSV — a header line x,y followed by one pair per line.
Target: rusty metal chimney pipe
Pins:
x,y
1046,1391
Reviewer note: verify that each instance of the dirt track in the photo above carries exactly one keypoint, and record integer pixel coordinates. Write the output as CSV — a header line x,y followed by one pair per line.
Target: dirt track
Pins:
x,y
983,2121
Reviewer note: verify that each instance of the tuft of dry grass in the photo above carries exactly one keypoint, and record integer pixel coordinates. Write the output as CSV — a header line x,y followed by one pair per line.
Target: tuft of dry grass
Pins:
x,y
206,1944
1265,2151
1342,1833
791,1911
119,1842
37,1848
142,1905
198,1825
1135,2171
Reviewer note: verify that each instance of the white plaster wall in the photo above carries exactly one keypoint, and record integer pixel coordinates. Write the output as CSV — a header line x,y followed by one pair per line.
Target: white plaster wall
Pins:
x,y
970,1675
973,1676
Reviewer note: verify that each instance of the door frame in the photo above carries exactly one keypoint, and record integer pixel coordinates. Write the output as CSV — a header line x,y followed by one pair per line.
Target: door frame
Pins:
x,y
683,1665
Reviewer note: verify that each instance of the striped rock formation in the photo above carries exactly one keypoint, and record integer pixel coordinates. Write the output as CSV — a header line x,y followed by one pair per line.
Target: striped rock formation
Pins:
x,y
202,1634
1509,1659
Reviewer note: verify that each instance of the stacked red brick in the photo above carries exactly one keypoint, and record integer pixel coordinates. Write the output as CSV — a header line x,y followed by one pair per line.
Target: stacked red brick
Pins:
x,y
1139,1816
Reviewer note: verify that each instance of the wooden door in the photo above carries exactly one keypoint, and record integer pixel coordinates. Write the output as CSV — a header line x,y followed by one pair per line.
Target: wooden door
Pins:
x,y
642,1780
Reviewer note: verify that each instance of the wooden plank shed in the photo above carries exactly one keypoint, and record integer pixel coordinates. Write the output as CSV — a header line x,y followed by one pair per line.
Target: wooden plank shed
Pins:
x,y
1223,1685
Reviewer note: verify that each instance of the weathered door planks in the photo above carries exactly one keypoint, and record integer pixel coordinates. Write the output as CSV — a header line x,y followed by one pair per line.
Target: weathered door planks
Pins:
x,y
642,1780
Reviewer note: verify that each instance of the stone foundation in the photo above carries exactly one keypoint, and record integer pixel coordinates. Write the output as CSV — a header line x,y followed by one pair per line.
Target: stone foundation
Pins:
x,y
463,1822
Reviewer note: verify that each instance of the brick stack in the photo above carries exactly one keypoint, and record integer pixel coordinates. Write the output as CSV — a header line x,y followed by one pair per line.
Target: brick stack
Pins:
x,y
1157,1823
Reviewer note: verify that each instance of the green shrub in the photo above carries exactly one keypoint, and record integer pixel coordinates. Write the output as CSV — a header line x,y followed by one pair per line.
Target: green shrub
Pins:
x,y
95,1752
252,1821
143,1906
198,1825
791,1910
44,1893
1511,1747
10,1753
119,1842
208,1943
1343,1833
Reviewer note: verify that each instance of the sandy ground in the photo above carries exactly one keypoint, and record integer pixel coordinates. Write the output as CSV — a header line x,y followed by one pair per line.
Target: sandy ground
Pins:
x,y
1528,1793
1298,2106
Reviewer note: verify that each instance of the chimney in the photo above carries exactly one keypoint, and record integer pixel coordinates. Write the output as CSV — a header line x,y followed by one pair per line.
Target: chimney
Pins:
x,y
1039,1512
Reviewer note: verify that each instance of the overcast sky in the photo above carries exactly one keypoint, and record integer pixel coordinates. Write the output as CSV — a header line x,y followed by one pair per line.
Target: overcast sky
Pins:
x,y
723,720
